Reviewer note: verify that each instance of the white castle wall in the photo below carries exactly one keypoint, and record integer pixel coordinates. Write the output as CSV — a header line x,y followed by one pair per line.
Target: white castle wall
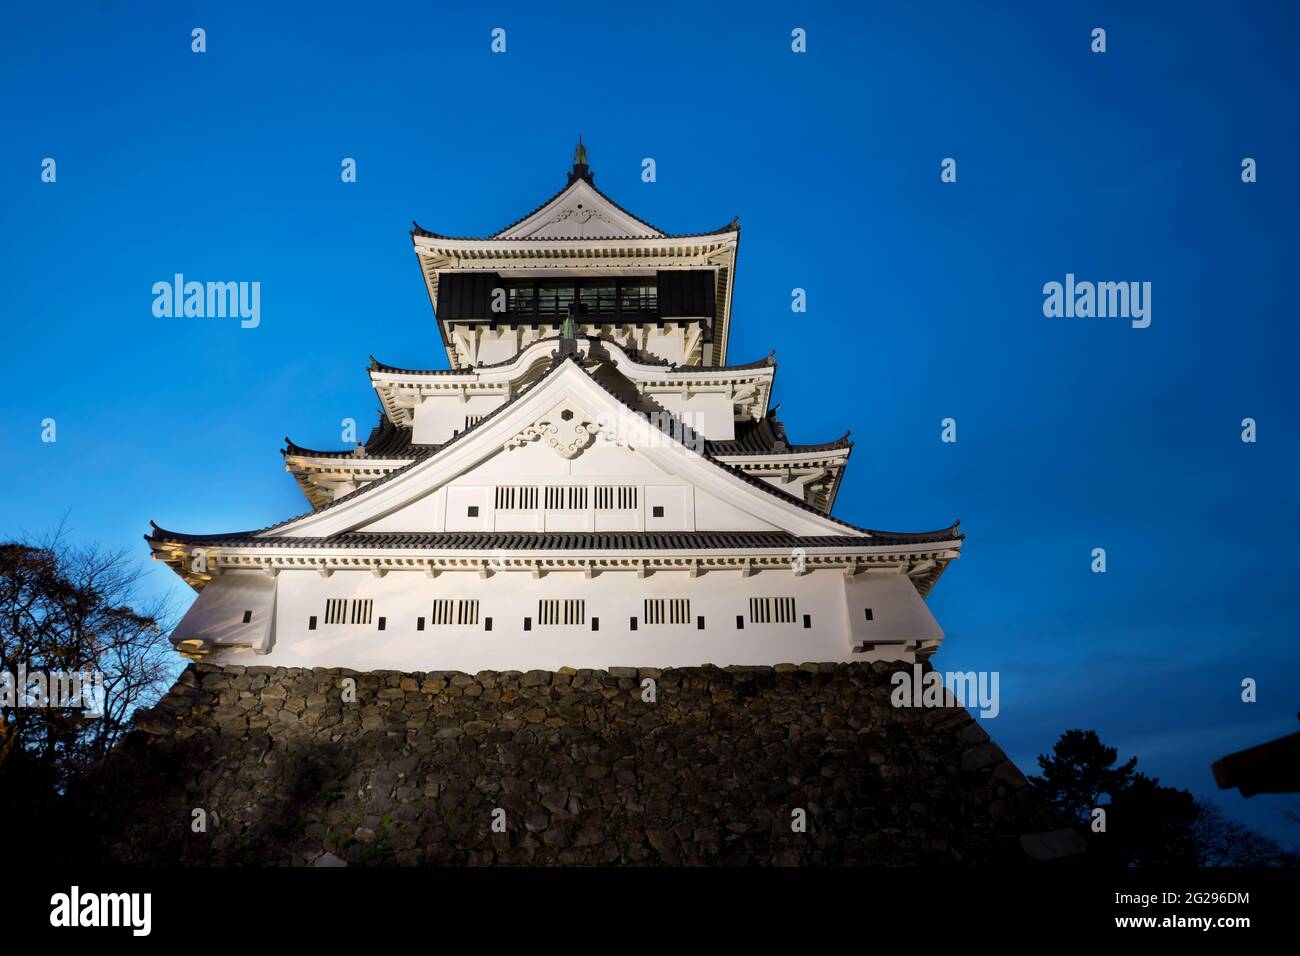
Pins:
x,y
508,597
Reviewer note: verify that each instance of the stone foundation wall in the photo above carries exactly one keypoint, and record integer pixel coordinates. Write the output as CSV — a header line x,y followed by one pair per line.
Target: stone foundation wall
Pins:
x,y
290,772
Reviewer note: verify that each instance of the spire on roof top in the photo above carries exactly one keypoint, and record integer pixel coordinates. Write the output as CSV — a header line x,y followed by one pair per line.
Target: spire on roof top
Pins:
x,y
580,168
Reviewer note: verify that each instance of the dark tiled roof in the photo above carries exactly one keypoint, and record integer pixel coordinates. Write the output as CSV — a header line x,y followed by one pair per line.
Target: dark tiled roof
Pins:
x,y
560,541
767,437
386,441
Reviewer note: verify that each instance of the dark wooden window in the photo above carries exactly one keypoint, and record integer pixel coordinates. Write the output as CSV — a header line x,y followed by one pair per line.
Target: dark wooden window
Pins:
x,y
471,511
867,611
521,299
699,623
686,292
466,295
383,623
598,299
740,622
487,623
311,623
632,625
552,298
248,617
638,297
595,624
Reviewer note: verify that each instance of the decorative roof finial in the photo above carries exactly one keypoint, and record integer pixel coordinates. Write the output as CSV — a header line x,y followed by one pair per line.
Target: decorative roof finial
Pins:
x,y
569,333
580,168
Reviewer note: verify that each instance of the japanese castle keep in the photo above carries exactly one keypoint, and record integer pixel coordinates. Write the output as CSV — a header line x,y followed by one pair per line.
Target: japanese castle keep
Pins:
x,y
591,483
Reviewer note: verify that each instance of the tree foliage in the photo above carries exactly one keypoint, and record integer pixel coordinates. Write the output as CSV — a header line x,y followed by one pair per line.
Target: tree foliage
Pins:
x,y
1146,824
74,610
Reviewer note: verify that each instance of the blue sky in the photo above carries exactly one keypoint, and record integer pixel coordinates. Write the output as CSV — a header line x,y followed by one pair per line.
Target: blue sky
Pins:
x,y
924,298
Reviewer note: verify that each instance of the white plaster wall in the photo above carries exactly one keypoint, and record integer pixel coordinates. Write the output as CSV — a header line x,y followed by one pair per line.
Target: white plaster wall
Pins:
x,y
508,597
712,416
438,417
218,614
897,612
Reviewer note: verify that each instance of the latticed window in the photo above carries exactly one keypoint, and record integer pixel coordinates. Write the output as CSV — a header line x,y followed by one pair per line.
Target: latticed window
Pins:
x,y
771,610
639,297
667,610
517,497
343,611
615,497
554,299
566,498
454,611
521,299
562,611
336,610
598,299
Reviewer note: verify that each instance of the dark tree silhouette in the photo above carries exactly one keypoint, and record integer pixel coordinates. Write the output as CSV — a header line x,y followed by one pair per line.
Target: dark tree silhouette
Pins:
x,y
1145,824
1221,842
71,610
1079,772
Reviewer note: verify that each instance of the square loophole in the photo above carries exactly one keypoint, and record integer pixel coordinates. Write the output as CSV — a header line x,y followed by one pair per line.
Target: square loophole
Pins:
x,y
657,511
472,511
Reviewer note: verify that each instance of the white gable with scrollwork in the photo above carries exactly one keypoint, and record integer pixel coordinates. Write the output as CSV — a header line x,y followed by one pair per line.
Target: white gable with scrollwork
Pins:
x,y
580,212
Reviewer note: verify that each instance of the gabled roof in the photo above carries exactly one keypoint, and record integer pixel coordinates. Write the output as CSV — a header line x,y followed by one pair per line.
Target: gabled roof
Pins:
x,y
328,523
578,211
